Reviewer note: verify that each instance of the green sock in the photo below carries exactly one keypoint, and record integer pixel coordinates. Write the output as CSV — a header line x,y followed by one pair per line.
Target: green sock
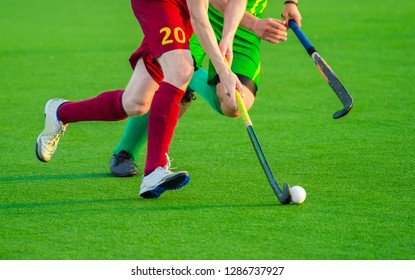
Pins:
x,y
135,133
207,91
134,136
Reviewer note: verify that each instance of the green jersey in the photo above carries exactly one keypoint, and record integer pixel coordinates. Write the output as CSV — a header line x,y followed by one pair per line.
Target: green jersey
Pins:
x,y
246,45
256,7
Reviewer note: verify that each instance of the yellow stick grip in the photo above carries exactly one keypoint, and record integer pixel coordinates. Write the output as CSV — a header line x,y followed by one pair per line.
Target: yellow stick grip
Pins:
x,y
241,105
242,109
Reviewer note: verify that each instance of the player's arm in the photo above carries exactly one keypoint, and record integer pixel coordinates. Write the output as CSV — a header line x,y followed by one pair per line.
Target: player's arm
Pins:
x,y
268,29
199,17
234,10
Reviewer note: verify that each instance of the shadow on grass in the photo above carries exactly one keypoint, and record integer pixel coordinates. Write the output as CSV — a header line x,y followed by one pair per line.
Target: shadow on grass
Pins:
x,y
129,204
112,204
54,177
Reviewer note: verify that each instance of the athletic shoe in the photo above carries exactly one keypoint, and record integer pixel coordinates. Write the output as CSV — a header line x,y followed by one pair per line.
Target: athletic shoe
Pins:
x,y
162,179
187,99
48,140
122,165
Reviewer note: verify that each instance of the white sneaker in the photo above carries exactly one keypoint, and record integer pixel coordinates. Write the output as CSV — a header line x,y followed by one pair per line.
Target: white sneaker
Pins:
x,y
162,179
48,140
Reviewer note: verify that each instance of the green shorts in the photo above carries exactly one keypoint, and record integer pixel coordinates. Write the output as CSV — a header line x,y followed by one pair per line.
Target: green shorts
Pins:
x,y
246,51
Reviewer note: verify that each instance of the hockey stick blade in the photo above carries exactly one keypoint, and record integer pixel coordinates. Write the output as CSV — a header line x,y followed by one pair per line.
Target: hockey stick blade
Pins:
x,y
334,82
283,195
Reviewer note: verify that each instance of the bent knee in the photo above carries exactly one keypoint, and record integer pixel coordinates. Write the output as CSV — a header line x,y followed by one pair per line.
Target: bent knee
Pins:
x,y
179,75
230,112
135,109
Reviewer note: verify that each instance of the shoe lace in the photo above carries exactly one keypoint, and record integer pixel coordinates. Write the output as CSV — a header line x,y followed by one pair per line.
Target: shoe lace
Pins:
x,y
124,156
168,167
55,139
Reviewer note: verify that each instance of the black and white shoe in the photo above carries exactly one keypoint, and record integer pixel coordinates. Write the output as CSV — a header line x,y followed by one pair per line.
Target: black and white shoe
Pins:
x,y
122,165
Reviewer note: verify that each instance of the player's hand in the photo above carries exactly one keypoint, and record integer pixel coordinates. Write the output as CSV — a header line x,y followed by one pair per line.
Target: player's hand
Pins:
x,y
291,12
225,46
230,84
271,30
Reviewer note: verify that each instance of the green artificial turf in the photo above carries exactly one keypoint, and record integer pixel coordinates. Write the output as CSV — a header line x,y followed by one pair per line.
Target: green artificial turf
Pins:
x,y
358,171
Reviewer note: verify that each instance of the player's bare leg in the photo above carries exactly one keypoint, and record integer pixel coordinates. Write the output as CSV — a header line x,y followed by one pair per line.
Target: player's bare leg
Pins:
x,y
139,91
228,107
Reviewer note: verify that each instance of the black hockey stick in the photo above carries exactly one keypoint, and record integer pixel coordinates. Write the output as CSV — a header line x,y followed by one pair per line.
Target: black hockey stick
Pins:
x,y
283,195
326,71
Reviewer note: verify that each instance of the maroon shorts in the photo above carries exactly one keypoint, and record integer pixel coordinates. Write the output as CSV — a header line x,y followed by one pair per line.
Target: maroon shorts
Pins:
x,y
166,26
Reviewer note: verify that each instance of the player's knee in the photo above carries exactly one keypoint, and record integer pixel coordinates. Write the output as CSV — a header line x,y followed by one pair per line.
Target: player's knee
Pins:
x,y
184,75
135,109
228,106
181,76
230,111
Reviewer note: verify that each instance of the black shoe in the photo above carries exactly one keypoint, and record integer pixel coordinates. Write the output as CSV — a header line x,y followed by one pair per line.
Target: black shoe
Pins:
x,y
122,165
187,98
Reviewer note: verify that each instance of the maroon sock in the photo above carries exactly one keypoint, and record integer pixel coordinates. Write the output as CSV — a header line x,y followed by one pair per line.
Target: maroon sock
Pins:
x,y
162,121
104,107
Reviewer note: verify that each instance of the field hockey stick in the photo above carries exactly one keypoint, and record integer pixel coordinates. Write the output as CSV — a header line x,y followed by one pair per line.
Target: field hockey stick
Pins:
x,y
283,195
326,71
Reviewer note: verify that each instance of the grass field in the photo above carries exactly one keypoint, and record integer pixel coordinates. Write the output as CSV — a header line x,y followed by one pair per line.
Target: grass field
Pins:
x,y
358,171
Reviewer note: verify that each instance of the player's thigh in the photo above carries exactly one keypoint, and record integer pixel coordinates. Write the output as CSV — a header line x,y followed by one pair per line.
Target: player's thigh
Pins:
x,y
167,29
177,67
139,92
